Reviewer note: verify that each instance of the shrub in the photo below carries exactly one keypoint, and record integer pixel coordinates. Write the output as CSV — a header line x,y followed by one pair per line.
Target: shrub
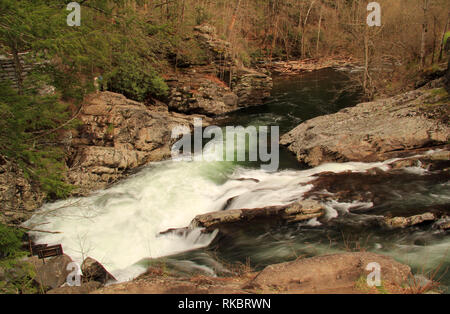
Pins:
x,y
10,241
136,79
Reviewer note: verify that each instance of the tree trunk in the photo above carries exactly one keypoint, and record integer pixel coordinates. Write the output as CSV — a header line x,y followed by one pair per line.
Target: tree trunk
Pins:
x,y
303,48
441,51
233,19
318,32
424,34
18,68
434,40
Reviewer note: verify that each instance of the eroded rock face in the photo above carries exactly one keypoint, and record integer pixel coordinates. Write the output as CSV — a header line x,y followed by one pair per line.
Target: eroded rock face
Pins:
x,y
251,87
329,272
373,131
117,136
220,86
18,197
200,91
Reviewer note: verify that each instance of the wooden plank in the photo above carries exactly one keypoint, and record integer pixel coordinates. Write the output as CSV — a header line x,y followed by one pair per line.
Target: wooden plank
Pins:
x,y
50,251
36,248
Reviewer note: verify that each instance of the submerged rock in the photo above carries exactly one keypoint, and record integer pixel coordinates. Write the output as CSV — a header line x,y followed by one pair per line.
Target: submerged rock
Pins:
x,y
373,131
443,223
403,222
300,211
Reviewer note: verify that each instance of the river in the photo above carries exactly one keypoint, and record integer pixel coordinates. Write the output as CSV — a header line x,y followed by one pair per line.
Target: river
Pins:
x,y
120,226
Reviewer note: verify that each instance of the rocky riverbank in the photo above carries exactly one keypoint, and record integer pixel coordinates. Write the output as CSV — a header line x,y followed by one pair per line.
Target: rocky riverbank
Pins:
x,y
117,135
336,273
375,131
296,67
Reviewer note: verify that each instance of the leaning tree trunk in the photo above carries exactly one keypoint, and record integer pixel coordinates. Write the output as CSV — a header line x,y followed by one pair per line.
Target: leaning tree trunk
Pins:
x,y
233,19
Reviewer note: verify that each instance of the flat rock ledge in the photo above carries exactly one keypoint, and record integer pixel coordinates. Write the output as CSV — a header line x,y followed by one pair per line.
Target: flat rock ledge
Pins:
x,y
299,211
330,273
374,131
327,274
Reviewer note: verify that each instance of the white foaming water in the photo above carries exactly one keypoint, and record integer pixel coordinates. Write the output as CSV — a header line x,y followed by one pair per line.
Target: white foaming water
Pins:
x,y
120,226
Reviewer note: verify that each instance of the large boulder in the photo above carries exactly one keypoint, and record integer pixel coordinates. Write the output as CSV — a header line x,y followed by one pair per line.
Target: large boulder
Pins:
x,y
374,131
94,271
200,91
51,273
328,273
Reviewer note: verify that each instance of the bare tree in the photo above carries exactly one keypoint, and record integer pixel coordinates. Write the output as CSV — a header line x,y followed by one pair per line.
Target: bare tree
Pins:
x,y
424,34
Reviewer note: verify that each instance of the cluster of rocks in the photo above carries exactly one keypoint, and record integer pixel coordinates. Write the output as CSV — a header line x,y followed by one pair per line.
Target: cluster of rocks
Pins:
x,y
403,222
219,50
52,275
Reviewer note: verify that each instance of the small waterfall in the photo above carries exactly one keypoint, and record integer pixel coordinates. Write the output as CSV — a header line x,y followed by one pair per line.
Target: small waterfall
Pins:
x,y
120,226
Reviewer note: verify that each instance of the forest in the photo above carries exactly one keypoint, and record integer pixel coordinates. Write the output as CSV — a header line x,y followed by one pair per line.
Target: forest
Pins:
x,y
134,48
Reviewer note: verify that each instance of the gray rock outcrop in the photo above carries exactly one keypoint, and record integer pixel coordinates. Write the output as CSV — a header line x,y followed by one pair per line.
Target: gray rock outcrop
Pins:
x,y
374,131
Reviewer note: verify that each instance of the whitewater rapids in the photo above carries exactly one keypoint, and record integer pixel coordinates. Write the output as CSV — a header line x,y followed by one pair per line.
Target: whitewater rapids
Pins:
x,y
120,226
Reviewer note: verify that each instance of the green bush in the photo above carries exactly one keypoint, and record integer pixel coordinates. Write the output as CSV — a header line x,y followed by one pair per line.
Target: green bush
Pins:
x,y
10,241
20,278
136,79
